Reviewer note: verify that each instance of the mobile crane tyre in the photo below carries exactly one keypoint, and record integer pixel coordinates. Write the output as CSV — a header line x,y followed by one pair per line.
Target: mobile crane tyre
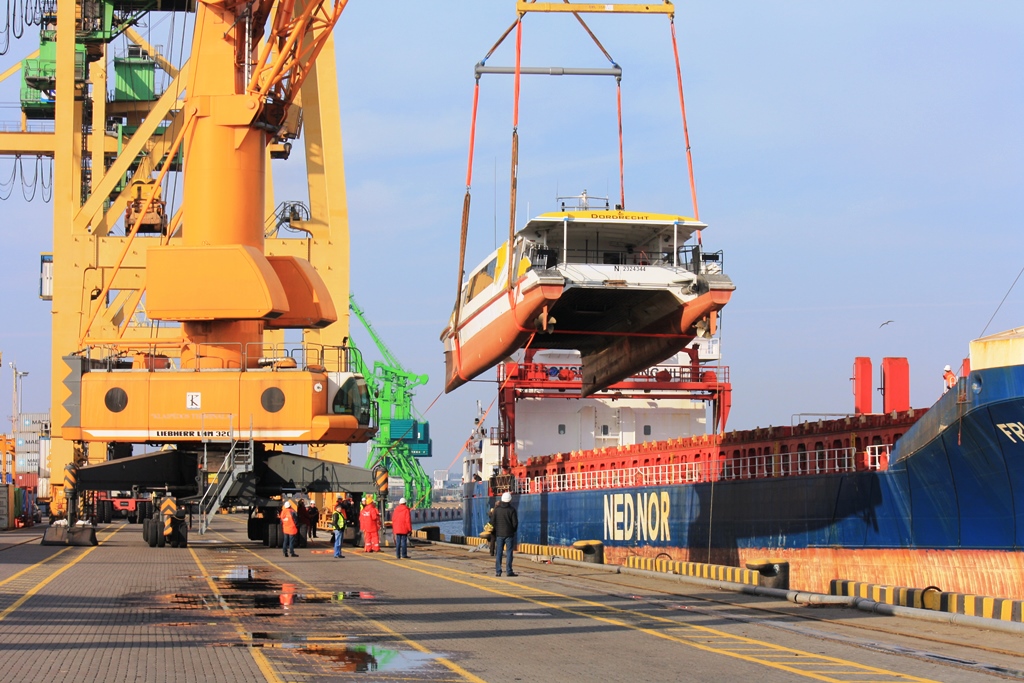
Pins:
x,y
158,531
145,530
152,538
274,535
252,529
182,535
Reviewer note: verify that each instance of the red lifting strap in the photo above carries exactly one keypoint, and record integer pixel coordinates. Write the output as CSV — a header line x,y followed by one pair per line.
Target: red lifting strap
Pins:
x,y
686,130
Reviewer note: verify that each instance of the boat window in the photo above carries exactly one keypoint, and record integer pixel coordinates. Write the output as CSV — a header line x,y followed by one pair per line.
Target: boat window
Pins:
x,y
612,258
604,430
482,279
647,430
561,429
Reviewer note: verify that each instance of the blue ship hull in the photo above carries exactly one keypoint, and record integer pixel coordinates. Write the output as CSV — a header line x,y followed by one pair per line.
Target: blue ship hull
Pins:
x,y
955,483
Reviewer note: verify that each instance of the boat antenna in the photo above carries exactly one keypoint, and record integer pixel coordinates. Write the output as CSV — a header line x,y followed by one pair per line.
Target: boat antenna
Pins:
x,y
495,202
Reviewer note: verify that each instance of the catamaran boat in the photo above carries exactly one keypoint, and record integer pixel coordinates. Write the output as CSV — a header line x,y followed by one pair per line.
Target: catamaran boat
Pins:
x,y
627,289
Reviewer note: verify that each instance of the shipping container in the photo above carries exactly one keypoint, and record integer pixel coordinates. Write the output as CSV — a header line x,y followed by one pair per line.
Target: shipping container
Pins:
x,y
44,458
27,463
34,422
26,480
6,506
26,442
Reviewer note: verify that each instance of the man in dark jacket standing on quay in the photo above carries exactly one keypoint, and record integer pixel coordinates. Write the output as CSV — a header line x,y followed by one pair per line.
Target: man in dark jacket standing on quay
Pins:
x,y
505,521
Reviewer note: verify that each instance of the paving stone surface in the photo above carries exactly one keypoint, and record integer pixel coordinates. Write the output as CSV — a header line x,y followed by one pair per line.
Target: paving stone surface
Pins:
x,y
227,609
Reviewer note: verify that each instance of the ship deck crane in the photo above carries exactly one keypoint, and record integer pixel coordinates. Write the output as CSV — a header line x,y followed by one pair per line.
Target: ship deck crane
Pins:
x,y
401,438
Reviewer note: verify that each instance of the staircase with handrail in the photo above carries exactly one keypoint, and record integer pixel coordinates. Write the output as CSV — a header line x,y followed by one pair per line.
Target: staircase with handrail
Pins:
x,y
231,481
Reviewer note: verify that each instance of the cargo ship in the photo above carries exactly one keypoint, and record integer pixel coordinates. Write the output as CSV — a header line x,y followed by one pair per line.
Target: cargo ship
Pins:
x,y
905,497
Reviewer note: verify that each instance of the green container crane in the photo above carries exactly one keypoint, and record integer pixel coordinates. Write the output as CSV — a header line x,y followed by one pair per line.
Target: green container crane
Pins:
x,y
401,438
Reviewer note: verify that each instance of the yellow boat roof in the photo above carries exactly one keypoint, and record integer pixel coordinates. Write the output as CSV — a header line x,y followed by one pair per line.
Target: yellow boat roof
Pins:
x,y
617,216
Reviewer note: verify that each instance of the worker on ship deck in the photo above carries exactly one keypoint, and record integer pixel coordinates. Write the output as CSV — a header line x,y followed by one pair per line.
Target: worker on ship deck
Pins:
x,y
948,379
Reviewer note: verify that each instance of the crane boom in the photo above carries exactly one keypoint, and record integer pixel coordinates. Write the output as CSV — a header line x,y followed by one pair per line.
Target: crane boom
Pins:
x,y
401,438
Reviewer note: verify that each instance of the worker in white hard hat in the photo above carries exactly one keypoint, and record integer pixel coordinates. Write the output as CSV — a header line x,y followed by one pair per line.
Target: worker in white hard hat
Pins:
x,y
505,521
401,526
948,379
290,528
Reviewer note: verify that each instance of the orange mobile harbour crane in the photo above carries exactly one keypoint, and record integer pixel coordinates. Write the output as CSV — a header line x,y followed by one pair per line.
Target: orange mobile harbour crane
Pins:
x,y
178,341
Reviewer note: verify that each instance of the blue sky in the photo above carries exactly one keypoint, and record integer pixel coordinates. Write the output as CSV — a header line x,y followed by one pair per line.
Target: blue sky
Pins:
x,y
857,162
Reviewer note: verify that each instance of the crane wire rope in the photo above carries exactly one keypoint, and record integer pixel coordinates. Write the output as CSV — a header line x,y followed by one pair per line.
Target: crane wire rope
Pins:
x,y
47,189
7,187
686,130
464,230
618,99
173,190
515,152
1002,302
26,186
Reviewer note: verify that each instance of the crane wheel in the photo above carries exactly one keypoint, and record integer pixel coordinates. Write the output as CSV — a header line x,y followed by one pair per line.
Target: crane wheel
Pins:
x,y
153,533
158,531
182,536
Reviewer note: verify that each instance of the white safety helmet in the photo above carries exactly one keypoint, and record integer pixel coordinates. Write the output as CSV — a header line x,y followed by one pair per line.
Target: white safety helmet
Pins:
x,y
506,497
946,369
402,501
287,503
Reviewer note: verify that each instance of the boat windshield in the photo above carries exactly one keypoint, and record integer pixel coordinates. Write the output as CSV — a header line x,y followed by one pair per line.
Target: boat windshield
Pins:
x,y
552,243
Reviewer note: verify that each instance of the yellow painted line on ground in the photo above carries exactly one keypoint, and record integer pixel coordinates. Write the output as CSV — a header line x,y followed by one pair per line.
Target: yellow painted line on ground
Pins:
x,y
261,660
42,584
452,666
33,566
860,669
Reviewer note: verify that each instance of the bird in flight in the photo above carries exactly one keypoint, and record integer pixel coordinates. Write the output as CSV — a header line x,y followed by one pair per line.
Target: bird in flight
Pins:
x,y
886,323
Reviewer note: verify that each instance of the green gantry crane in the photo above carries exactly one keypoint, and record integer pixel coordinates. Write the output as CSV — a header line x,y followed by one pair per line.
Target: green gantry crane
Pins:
x,y
401,438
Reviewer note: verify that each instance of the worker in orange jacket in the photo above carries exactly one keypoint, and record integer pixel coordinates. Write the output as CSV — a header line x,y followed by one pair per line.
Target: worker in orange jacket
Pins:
x,y
369,524
948,379
290,527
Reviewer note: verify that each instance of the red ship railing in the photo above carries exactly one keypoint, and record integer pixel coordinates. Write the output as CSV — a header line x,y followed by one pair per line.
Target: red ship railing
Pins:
x,y
769,466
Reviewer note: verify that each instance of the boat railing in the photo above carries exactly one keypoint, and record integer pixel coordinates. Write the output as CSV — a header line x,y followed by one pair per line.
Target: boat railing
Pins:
x,y
819,461
878,456
706,373
766,466
617,257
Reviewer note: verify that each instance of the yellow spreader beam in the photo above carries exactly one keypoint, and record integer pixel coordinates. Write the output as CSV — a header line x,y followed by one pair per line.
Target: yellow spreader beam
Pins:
x,y
666,7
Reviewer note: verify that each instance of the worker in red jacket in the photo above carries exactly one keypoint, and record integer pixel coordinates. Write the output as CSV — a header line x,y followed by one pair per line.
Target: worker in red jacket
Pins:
x,y
401,525
369,524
